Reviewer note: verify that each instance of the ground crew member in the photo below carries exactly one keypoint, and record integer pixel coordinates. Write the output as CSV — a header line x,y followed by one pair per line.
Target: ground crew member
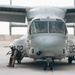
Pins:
x,y
12,57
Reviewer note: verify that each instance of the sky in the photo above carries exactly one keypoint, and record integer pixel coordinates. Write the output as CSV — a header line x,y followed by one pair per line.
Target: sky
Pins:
x,y
4,26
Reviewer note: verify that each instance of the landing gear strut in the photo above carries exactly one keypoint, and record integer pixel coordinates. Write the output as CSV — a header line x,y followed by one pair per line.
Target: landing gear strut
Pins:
x,y
70,60
19,61
48,65
19,57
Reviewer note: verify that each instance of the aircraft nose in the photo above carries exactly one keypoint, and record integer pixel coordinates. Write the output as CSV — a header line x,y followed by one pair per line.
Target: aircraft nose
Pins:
x,y
49,42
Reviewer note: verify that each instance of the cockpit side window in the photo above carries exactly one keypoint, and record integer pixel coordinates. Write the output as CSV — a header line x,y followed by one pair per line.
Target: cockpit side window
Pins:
x,y
31,28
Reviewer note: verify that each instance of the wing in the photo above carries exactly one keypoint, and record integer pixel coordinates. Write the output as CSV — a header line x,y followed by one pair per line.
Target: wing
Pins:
x,y
13,13
70,14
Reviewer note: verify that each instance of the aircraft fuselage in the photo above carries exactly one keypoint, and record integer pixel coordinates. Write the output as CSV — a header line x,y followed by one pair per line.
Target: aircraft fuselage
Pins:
x,y
48,38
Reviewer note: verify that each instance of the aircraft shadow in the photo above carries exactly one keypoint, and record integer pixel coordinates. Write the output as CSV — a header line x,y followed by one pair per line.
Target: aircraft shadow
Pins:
x,y
39,65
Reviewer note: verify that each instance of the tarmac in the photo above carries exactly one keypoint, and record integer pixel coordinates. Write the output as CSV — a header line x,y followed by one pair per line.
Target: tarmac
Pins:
x,y
31,67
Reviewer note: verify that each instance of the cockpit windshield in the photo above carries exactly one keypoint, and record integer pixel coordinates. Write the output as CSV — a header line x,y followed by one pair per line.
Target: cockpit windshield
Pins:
x,y
39,27
57,26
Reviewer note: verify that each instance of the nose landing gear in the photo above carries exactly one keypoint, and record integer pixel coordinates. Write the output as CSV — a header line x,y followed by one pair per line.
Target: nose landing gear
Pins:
x,y
48,64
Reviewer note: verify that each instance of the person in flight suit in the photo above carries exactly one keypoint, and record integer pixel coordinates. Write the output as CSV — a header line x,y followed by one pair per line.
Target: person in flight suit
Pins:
x,y
15,55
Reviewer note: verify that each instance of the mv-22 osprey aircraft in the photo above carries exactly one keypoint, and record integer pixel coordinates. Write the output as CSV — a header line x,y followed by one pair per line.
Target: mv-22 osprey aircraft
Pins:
x,y
47,37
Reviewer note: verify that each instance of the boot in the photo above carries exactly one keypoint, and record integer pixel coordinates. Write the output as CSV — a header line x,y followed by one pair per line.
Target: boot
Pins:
x,y
9,65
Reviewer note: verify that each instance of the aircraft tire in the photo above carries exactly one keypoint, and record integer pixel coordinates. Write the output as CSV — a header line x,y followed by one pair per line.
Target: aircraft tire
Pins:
x,y
19,61
51,65
70,60
45,66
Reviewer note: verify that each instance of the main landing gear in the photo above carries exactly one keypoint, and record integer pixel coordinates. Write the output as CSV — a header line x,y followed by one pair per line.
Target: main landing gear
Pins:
x,y
70,59
19,57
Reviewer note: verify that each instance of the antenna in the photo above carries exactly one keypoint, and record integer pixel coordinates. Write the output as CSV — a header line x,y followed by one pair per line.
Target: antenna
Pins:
x,y
10,22
74,23
10,2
